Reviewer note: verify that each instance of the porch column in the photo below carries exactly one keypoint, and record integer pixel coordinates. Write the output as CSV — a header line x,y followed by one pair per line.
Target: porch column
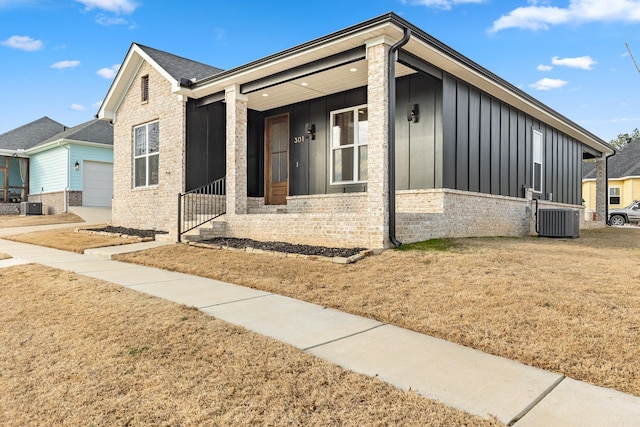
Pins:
x,y
236,150
378,149
602,189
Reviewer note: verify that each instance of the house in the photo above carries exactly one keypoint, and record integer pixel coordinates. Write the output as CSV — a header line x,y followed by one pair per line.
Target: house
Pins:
x,y
305,145
623,179
57,166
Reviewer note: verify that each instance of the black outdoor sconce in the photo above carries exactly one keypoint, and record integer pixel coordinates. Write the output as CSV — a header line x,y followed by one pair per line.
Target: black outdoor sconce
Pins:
x,y
76,166
311,131
413,113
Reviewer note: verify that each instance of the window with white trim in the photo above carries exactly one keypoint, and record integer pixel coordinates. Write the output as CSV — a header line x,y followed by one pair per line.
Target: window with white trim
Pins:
x,y
537,161
614,195
349,141
146,147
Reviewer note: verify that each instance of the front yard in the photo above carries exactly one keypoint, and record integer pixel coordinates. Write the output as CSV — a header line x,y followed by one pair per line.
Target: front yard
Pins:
x,y
568,306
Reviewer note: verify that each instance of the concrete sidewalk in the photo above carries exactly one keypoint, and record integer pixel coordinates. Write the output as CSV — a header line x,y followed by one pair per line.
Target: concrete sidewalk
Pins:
x,y
476,382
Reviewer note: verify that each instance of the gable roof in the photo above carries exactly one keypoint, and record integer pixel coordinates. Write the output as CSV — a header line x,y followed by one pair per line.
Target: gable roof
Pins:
x,y
95,131
30,134
172,67
625,163
283,73
178,67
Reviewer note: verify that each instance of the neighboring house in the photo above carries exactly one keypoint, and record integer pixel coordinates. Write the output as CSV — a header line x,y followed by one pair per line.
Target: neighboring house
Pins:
x,y
624,178
58,166
298,143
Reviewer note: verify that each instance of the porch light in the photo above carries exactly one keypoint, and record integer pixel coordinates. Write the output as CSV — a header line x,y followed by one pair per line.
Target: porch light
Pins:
x,y
311,131
304,84
76,166
353,70
265,94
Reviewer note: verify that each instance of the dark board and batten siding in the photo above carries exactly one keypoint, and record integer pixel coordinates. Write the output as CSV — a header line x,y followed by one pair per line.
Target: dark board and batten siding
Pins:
x,y
464,139
487,148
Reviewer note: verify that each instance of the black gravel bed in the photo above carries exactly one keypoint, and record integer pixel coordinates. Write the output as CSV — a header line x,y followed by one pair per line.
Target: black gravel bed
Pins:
x,y
128,231
283,247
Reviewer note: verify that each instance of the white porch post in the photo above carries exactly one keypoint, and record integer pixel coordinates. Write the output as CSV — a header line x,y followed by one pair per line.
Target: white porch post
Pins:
x,y
378,150
236,151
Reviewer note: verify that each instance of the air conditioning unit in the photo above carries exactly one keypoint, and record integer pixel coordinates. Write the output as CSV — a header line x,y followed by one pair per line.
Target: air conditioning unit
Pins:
x,y
558,223
30,208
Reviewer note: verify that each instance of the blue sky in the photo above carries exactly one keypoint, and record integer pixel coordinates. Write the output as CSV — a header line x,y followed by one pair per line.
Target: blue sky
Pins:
x,y
58,58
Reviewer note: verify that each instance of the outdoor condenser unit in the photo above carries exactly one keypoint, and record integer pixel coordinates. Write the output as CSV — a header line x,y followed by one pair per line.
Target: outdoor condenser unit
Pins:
x,y
558,223
30,208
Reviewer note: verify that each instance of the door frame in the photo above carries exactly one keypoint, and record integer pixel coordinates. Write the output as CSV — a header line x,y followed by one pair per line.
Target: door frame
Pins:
x,y
267,154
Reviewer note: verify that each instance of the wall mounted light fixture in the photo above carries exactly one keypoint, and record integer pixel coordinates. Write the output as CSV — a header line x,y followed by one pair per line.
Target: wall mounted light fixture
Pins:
x,y
413,113
76,166
311,131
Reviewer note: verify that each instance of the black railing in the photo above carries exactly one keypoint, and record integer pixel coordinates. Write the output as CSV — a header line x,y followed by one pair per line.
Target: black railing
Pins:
x,y
201,205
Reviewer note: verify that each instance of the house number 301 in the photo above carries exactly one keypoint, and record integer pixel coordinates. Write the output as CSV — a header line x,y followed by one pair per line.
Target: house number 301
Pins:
x,y
298,139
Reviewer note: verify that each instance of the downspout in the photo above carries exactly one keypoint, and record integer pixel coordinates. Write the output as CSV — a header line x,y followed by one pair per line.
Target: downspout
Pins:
x,y
392,135
66,189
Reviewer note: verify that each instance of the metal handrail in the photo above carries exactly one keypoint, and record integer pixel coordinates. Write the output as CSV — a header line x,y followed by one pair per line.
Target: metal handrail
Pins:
x,y
201,205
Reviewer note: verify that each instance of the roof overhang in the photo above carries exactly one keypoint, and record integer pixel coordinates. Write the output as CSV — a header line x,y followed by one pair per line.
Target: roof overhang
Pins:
x,y
304,72
62,142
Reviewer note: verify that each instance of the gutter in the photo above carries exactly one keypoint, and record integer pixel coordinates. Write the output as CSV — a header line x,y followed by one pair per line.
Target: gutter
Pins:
x,y
392,135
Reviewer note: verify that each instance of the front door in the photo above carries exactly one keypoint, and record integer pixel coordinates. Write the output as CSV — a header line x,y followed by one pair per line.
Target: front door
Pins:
x,y
276,160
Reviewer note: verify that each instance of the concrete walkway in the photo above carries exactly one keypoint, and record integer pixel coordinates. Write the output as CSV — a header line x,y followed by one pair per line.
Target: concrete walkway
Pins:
x,y
476,382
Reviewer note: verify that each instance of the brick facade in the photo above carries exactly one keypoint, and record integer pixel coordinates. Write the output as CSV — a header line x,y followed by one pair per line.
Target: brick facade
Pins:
x,y
347,220
153,207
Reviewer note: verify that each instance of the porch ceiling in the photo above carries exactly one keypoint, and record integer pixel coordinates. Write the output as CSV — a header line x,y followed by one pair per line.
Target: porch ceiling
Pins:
x,y
336,80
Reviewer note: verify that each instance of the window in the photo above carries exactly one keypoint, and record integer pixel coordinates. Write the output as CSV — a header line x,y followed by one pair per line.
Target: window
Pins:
x,y
144,85
349,139
614,195
537,161
146,154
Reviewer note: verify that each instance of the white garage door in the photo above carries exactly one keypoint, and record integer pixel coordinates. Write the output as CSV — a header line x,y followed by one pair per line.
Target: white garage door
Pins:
x,y
97,184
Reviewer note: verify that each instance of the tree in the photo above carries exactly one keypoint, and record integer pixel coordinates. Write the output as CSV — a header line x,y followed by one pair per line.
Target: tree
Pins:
x,y
624,138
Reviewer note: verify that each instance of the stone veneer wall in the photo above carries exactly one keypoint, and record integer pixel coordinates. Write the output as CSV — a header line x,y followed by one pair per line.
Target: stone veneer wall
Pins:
x,y
152,207
9,208
340,220
55,201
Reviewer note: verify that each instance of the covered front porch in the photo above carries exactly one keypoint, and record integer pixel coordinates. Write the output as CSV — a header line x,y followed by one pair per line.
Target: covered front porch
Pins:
x,y
14,183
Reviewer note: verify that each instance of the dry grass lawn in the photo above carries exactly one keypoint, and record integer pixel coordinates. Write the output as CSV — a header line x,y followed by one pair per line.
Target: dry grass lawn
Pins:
x,y
78,351
7,221
68,240
568,306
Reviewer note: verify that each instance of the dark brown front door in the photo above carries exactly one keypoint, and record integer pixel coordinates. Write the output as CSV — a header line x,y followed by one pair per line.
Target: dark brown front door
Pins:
x,y
277,160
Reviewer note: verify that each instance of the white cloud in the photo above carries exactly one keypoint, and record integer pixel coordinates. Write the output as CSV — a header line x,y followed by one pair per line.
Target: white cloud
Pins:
x,y
579,11
23,43
96,105
548,84
107,21
60,65
116,6
442,4
77,107
543,67
582,62
108,73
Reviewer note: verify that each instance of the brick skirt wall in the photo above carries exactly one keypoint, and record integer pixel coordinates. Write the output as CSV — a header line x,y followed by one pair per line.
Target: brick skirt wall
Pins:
x,y
55,201
341,220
